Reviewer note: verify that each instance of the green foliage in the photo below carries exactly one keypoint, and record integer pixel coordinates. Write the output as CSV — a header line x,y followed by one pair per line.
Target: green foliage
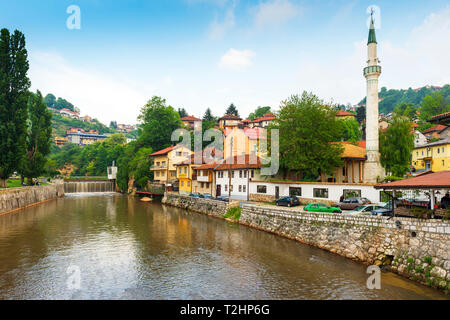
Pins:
x,y
259,112
158,123
233,213
38,137
14,85
396,145
434,104
61,124
406,109
421,213
360,114
391,98
232,110
135,164
308,130
350,130
182,112
60,103
427,259
208,117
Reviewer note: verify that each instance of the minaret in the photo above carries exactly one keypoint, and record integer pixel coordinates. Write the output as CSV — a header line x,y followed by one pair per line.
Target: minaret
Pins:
x,y
372,166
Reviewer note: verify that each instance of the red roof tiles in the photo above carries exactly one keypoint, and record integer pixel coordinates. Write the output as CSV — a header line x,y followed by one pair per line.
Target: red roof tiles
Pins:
x,y
426,181
438,127
163,151
190,118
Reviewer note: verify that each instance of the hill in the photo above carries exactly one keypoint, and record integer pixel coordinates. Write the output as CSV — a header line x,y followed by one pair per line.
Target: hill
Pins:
x,y
391,98
61,124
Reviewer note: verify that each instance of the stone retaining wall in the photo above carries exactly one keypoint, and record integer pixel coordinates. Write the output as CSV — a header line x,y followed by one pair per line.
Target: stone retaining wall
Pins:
x,y
205,206
18,198
417,249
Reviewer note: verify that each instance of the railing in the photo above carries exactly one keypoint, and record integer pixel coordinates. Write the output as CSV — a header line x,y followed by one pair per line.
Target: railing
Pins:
x,y
204,178
155,167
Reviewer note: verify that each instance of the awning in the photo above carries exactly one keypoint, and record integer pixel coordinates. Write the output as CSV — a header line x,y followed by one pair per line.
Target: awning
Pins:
x,y
436,180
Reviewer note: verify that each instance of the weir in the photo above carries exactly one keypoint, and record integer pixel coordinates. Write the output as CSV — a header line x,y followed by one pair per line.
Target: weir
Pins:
x,y
88,186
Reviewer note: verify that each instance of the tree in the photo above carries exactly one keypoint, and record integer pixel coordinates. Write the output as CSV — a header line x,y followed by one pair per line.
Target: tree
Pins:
x,y
361,114
158,122
64,104
182,112
259,112
350,130
113,125
50,100
38,137
434,104
405,109
208,116
14,85
232,110
396,145
307,130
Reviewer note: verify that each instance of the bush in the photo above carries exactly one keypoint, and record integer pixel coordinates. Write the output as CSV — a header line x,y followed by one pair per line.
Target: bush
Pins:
x,y
233,213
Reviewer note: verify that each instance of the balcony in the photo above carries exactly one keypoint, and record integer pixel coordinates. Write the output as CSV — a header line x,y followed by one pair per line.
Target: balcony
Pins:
x,y
372,69
160,167
204,178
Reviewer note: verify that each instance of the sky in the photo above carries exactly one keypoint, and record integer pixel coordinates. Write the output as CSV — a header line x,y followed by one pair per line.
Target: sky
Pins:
x,y
211,53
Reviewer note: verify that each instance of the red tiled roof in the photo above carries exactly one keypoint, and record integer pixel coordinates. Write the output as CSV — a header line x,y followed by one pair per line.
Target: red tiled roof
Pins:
x,y
241,162
230,117
342,113
442,115
414,125
266,117
426,181
438,127
163,151
190,118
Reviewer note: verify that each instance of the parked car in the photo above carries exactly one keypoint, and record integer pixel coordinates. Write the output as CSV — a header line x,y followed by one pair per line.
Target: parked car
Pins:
x,y
383,211
321,207
352,203
195,195
288,201
365,209
206,196
222,198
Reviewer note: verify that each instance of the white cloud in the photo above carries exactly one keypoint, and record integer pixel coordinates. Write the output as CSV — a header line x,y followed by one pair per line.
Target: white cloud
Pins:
x,y
218,28
97,95
236,60
274,12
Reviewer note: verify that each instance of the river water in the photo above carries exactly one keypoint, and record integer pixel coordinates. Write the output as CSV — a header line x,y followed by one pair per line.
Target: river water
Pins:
x,y
115,247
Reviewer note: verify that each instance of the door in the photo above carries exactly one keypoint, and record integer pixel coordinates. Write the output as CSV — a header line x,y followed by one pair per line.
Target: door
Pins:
x,y
218,190
277,192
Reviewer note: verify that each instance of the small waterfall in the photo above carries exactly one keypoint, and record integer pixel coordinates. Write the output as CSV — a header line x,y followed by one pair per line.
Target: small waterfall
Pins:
x,y
88,186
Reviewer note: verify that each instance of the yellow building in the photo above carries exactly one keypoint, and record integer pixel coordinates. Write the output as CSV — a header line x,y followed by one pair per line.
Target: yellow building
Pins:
x,y
242,141
434,156
164,170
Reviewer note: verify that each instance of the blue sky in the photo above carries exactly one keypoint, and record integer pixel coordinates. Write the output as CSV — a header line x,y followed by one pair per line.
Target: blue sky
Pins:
x,y
210,53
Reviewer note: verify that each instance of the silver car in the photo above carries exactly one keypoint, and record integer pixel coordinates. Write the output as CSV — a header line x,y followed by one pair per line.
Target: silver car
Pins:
x,y
364,209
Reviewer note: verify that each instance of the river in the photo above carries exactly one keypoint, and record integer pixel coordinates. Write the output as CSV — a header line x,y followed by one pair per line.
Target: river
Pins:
x,y
120,248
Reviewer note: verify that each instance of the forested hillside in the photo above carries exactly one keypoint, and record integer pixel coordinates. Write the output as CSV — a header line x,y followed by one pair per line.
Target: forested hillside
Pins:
x,y
391,98
61,124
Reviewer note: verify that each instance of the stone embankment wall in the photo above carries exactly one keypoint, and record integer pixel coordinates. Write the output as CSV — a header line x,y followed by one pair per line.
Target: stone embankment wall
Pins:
x,y
415,248
18,198
205,206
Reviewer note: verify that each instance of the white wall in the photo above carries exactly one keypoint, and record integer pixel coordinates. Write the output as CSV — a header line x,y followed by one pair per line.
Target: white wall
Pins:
x,y
236,182
334,190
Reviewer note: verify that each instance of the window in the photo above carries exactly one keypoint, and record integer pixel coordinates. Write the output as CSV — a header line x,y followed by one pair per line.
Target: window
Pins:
x,y
439,150
179,170
189,184
261,189
245,173
207,185
231,188
253,173
240,173
320,193
157,173
226,187
232,174
157,164
443,163
178,153
240,188
244,188
172,174
294,191
182,183
351,193
185,169
163,163
202,185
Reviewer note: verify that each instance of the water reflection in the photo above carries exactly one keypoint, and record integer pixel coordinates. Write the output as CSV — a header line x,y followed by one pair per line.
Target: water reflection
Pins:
x,y
127,249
